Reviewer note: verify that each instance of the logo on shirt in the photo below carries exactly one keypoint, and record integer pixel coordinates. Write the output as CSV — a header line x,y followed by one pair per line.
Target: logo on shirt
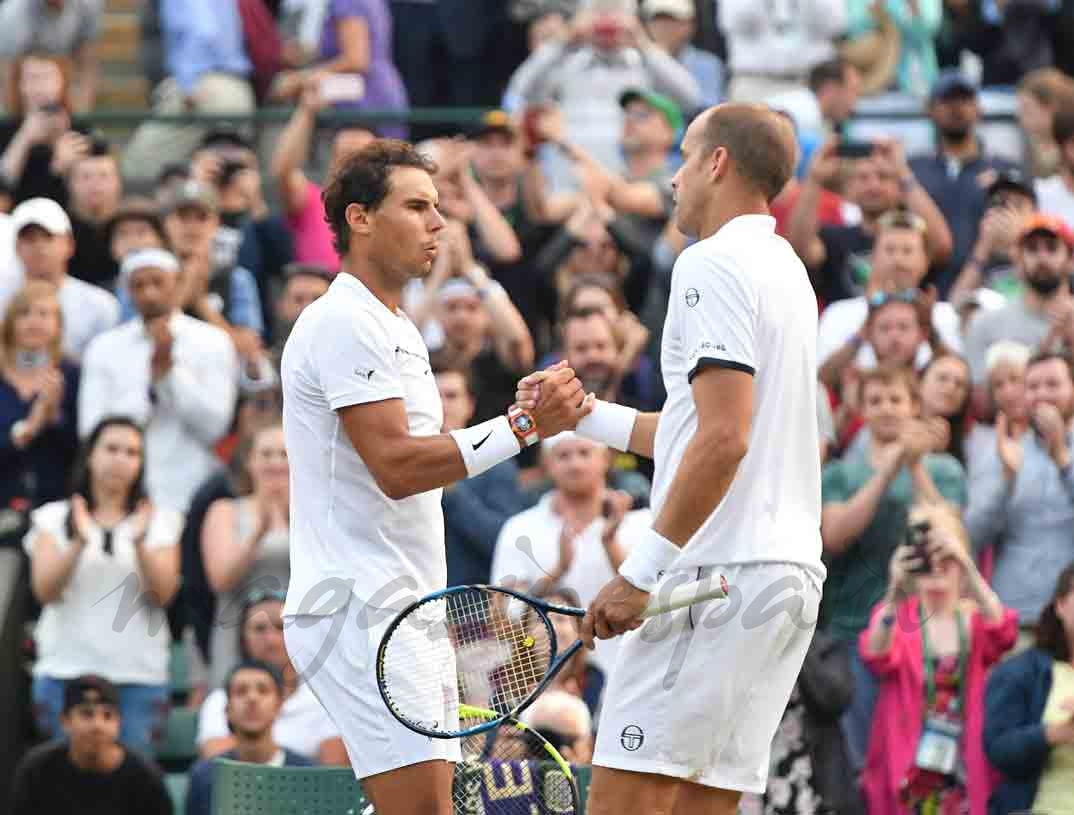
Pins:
x,y
367,375
632,738
693,297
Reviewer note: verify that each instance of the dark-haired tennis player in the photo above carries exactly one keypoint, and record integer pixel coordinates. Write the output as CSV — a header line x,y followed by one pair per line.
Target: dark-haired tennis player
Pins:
x,y
688,715
362,418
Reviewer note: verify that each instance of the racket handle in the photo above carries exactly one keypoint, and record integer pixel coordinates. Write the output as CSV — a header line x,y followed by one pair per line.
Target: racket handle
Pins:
x,y
687,595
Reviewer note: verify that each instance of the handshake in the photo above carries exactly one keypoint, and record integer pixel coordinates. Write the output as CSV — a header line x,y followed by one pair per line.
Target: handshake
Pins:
x,y
555,398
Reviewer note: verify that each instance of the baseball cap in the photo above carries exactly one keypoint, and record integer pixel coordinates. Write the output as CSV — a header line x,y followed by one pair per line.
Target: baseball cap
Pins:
x,y
1039,222
136,208
147,259
1012,179
668,109
679,9
495,121
190,194
42,212
952,82
89,689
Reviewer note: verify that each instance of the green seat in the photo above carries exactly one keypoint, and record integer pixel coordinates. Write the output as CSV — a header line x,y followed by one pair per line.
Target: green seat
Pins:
x,y
178,748
179,670
177,785
254,789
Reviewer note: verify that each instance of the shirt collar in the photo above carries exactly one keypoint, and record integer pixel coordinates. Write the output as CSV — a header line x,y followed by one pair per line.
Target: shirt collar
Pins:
x,y
753,222
350,283
173,324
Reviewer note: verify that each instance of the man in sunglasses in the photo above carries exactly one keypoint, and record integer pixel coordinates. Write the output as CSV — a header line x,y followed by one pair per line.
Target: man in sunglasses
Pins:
x,y
899,264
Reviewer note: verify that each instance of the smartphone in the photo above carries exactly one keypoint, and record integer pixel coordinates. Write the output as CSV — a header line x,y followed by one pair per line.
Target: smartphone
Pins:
x,y
342,88
917,538
854,149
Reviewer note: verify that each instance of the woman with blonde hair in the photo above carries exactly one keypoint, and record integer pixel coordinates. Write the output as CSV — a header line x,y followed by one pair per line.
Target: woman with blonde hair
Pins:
x,y
932,638
38,401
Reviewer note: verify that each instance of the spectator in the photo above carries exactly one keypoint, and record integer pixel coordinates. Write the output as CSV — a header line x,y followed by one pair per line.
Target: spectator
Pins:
x,y
38,400
1004,391
899,267
867,497
255,694
822,107
40,141
474,509
303,210
1042,94
175,374
945,394
135,225
810,767
606,52
1056,193
244,542
356,42
580,676
917,23
566,722
922,625
1028,730
302,726
44,245
89,772
208,72
672,24
589,345
103,565
956,176
303,283
577,535
1024,501
94,189
68,28
838,256
1042,257
1011,200
772,49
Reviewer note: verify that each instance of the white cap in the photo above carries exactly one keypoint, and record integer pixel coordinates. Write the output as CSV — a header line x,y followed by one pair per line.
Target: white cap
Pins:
x,y
679,9
42,212
457,287
147,259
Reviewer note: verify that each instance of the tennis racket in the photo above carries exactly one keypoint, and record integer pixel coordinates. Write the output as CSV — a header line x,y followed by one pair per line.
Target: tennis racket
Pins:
x,y
512,770
484,647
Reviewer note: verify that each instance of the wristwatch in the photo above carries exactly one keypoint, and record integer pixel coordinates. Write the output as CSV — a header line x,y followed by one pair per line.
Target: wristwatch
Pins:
x,y
522,425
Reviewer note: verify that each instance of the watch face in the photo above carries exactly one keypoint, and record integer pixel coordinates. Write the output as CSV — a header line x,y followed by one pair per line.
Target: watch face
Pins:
x,y
523,424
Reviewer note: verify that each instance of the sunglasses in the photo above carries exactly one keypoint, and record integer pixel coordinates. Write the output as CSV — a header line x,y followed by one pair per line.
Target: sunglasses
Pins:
x,y
880,298
259,596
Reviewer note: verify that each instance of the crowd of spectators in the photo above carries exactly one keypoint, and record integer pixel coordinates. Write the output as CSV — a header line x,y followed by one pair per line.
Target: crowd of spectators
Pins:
x,y
147,290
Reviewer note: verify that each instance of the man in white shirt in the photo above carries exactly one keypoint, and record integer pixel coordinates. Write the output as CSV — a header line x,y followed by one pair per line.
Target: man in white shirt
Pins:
x,y
363,418
696,695
577,535
44,245
174,374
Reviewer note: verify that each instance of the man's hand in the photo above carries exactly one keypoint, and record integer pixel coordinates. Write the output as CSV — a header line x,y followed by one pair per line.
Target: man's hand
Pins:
x,y
917,440
1008,447
890,458
529,387
615,610
826,165
562,403
1053,430
160,363
70,147
892,157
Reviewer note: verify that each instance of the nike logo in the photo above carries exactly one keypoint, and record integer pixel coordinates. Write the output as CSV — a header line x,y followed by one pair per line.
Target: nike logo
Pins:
x,y
476,446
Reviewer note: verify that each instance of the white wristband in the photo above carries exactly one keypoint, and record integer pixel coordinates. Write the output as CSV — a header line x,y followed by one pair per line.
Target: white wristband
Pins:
x,y
648,559
610,424
485,445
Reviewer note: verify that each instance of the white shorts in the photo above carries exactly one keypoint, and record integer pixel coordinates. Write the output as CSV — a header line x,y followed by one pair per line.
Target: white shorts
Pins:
x,y
336,656
698,693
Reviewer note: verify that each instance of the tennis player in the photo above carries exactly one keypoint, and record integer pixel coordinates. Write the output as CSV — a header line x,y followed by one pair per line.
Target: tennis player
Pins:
x,y
362,418
688,716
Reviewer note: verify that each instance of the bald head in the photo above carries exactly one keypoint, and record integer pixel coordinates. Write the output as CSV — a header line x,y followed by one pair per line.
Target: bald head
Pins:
x,y
759,142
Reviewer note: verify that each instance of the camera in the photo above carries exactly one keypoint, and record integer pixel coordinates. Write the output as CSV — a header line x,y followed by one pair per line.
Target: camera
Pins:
x,y
917,538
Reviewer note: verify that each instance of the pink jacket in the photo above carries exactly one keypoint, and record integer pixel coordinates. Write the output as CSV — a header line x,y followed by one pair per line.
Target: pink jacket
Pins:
x,y
900,706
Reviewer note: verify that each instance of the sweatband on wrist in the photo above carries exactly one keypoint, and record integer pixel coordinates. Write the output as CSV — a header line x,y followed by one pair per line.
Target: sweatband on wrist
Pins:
x,y
610,424
485,445
648,559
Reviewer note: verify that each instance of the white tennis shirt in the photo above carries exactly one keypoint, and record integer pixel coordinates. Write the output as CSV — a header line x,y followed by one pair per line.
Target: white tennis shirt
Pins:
x,y
741,299
348,348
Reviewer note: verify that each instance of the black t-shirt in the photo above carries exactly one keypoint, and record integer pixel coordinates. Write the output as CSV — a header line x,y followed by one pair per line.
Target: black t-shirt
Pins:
x,y
846,265
37,179
92,260
47,781
494,385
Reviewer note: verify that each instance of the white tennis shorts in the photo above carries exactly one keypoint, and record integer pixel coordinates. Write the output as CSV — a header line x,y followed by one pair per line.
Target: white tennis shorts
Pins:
x,y
336,656
698,693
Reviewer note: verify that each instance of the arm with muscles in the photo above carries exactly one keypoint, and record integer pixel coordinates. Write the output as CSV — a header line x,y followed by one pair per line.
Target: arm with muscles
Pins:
x,y
293,149
803,227
158,562
843,522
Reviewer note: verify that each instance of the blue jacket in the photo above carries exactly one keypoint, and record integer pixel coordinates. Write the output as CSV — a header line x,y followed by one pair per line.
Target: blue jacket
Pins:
x,y
1013,734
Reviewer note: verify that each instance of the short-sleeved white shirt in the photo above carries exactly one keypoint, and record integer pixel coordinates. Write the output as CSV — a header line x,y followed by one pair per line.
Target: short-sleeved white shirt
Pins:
x,y
348,348
92,627
741,299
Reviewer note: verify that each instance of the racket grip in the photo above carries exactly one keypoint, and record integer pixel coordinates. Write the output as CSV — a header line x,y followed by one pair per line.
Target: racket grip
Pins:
x,y
687,595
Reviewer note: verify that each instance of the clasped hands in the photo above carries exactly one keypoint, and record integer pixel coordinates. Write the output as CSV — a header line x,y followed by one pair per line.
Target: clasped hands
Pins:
x,y
555,398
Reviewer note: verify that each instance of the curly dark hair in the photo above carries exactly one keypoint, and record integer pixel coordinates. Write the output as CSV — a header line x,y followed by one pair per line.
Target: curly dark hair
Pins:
x,y
1051,636
364,178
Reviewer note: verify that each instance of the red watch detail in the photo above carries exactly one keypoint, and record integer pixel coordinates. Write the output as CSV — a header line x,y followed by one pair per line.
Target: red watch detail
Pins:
x,y
523,425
